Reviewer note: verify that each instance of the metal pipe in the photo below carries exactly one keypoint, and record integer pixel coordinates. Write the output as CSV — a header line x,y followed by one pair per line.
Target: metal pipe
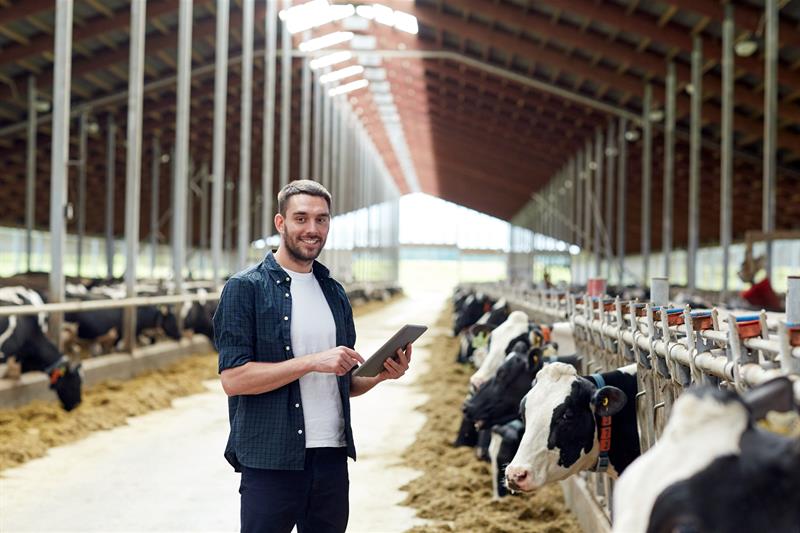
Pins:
x,y
59,158
228,215
770,126
597,198
647,180
580,182
611,155
659,291
622,197
669,168
30,173
793,300
111,171
316,170
83,132
587,206
204,218
96,305
326,139
155,193
726,157
189,192
694,162
244,133
305,116
133,162
219,138
181,156
286,96
268,151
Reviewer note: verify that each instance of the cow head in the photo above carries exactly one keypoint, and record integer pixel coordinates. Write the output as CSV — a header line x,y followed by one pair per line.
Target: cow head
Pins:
x,y
66,380
560,427
169,323
498,399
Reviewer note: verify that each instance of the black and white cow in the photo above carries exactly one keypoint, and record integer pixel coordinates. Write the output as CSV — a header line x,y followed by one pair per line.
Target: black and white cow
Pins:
x,y
575,423
714,469
476,336
101,323
21,337
502,448
198,317
470,310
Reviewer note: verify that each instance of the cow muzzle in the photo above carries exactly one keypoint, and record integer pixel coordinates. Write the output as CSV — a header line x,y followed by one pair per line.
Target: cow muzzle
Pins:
x,y
519,478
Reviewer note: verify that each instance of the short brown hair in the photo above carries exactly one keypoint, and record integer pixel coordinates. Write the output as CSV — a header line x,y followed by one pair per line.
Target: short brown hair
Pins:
x,y
309,187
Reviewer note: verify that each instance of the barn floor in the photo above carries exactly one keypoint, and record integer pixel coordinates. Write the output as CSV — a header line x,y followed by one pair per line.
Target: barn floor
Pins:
x,y
164,471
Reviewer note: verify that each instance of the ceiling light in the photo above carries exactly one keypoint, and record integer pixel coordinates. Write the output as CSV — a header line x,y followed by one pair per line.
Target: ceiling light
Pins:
x,y
656,115
341,74
406,22
330,59
325,41
313,14
746,47
689,88
632,135
42,106
348,87
365,11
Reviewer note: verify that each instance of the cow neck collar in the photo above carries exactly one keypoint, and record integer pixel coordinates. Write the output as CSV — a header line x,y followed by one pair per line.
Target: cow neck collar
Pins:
x,y
603,432
57,370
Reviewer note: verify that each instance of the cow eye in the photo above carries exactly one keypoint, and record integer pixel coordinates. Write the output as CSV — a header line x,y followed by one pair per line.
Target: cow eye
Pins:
x,y
567,415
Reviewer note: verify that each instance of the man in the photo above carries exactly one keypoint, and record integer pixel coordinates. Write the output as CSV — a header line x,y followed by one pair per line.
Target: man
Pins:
x,y
285,335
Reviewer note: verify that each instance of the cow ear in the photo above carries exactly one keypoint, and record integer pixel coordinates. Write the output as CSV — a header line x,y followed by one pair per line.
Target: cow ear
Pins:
x,y
522,403
164,310
534,358
608,401
774,395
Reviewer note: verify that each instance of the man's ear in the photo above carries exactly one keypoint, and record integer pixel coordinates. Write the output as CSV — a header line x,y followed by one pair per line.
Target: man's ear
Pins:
x,y
278,221
608,401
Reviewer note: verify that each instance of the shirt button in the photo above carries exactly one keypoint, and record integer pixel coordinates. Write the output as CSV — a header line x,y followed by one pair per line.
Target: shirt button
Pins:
x,y
287,278
279,282
286,318
287,294
299,431
287,348
297,405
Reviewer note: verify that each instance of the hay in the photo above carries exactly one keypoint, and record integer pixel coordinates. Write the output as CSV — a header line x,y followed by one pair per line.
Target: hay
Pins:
x,y
455,489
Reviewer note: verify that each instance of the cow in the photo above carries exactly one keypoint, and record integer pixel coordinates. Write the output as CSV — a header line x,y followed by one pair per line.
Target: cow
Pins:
x,y
502,447
107,323
470,310
575,423
22,337
714,469
501,341
197,317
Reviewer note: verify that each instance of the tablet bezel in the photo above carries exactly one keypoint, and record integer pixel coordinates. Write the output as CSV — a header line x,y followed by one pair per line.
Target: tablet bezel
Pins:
x,y
405,335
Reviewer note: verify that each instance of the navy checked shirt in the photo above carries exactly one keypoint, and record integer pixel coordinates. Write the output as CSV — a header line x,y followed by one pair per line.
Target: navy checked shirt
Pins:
x,y
253,323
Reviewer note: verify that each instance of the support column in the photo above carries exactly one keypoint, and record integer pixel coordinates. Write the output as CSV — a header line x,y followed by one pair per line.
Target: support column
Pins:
x,y
608,221
203,250
30,172
155,190
83,132
111,171
268,150
770,126
669,169
305,117
597,196
133,164
59,159
244,136
622,197
726,157
316,168
647,180
694,163
286,95
220,123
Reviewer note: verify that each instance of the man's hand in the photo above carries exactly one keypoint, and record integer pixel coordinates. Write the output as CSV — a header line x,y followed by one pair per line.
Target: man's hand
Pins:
x,y
337,360
396,366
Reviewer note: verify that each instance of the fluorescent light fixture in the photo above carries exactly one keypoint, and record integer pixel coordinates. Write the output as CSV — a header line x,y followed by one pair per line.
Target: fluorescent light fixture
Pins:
x,y
383,99
313,14
330,59
383,14
341,74
325,41
364,42
406,22
348,87
370,60
355,23
632,135
365,11
375,74
574,249
656,115
381,87
746,47
386,15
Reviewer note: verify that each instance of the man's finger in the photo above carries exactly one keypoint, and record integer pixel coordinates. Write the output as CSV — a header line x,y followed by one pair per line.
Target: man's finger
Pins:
x,y
352,353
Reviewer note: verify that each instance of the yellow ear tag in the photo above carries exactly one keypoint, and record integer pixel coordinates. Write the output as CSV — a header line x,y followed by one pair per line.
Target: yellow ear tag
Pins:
x,y
605,401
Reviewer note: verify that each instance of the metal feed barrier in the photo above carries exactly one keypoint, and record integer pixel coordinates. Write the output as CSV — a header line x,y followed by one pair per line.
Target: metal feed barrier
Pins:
x,y
673,348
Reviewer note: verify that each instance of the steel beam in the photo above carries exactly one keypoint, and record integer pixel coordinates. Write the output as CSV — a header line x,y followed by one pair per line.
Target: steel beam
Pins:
x,y
694,163
30,173
286,96
245,130
305,117
647,180
669,169
611,156
218,162
83,132
133,163
770,126
726,157
622,196
316,168
111,171
203,249
597,197
268,141
155,189
59,159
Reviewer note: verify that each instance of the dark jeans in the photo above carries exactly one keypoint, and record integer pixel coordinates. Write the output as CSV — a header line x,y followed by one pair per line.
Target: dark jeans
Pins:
x,y
316,498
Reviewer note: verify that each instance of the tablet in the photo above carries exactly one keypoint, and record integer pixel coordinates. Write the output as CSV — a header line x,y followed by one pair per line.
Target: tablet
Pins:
x,y
374,365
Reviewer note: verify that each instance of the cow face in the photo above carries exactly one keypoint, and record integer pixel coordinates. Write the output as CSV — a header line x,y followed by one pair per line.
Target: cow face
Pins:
x,y
498,399
169,323
66,381
560,427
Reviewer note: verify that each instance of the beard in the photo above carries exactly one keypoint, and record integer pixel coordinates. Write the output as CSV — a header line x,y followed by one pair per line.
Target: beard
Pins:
x,y
301,250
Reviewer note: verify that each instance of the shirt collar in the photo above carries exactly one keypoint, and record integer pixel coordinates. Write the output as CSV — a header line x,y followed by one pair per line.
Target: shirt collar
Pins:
x,y
278,274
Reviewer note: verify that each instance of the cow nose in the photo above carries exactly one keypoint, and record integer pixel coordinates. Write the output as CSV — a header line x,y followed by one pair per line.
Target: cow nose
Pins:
x,y
516,476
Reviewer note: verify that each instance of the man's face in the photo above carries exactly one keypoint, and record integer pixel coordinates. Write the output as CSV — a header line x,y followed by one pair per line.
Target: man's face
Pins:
x,y
304,229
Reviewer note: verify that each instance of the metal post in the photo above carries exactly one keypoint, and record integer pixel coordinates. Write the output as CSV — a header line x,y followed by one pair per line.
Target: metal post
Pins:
x,y
622,196
268,150
793,300
726,157
155,190
228,244
305,132
316,170
59,159
133,163
218,163
181,167
579,210
83,132
647,179
587,207
611,154
30,173
189,192
770,126
286,95
326,139
694,163
244,137
659,291
111,170
204,218
597,198
669,168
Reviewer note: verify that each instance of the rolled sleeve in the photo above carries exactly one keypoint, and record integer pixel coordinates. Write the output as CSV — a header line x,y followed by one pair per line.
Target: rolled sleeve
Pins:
x,y
234,329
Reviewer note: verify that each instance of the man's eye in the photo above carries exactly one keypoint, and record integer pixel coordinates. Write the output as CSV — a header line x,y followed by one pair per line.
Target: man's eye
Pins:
x,y
301,220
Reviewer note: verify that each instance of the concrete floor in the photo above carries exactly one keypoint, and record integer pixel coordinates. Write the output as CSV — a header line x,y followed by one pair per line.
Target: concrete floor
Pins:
x,y
165,470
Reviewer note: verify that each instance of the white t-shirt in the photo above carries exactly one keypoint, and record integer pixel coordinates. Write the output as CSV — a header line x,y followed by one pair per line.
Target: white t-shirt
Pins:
x,y
314,330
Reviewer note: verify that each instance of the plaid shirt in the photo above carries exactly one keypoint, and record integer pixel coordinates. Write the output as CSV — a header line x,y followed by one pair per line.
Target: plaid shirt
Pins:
x,y
253,323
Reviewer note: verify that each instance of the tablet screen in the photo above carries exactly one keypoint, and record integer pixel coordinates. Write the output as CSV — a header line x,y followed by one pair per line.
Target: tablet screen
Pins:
x,y
374,365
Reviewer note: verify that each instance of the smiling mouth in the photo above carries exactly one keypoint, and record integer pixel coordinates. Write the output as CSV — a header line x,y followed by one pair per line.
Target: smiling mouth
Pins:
x,y
311,242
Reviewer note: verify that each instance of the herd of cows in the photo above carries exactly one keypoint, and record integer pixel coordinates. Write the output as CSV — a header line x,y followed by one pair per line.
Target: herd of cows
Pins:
x,y
538,419
25,345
